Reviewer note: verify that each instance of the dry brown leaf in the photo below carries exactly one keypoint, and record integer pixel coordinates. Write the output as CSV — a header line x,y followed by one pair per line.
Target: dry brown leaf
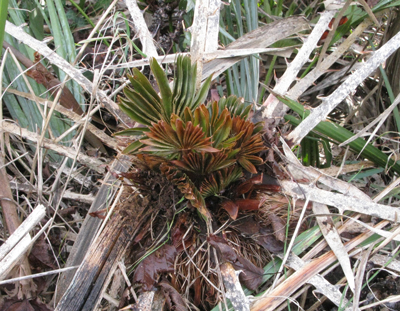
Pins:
x,y
279,227
148,271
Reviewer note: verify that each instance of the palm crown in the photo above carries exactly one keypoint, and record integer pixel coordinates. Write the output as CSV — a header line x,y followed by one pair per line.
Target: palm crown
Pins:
x,y
202,149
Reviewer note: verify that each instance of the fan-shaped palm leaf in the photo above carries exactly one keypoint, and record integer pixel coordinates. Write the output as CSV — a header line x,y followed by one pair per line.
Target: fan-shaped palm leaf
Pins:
x,y
250,144
235,106
204,163
216,124
172,142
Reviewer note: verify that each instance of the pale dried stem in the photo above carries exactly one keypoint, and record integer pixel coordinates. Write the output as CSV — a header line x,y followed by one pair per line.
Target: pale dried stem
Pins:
x,y
331,33
329,103
205,30
92,163
70,70
141,29
272,104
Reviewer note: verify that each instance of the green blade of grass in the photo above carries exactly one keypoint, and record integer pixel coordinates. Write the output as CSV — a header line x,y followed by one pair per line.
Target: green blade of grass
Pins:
x,y
3,17
340,134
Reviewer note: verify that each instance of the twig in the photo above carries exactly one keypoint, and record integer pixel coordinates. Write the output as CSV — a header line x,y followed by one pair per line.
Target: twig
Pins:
x,y
36,275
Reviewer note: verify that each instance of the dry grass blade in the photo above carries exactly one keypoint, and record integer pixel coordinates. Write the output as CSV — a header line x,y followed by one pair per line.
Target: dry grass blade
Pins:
x,y
321,112
319,282
369,11
341,201
141,29
303,275
347,168
360,275
274,108
381,119
256,39
334,241
302,85
208,56
334,27
90,162
61,63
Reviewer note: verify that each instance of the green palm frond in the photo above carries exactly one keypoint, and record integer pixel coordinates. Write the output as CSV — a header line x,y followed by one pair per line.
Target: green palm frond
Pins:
x,y
216,123
134,131
145,106
235,106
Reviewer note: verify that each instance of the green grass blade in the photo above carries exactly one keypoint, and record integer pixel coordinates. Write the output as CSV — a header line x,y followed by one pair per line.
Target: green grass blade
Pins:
x,y
340,135
36,22
3,17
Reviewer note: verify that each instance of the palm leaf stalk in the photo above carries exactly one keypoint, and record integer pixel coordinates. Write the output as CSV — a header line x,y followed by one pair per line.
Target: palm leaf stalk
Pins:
x,y
202,148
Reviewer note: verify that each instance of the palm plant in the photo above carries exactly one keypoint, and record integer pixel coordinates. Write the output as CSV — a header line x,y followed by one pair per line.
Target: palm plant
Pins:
x,y
201,148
